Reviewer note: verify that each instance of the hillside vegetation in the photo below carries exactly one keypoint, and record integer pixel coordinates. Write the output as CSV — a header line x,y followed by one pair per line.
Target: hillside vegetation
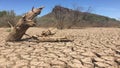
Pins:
x,y
62,17
8,16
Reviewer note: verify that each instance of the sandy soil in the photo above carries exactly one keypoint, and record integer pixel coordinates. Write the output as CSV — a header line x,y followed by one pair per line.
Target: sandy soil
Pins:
x,y
91,48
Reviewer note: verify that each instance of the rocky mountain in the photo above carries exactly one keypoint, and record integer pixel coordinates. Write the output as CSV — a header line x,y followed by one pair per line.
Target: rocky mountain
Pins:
x,y
68,18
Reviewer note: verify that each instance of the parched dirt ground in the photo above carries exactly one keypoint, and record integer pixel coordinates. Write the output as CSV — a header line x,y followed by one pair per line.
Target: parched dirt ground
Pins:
x,y
91,48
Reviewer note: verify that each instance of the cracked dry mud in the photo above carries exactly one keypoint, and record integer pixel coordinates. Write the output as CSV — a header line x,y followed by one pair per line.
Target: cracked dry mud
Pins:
x,y
91,48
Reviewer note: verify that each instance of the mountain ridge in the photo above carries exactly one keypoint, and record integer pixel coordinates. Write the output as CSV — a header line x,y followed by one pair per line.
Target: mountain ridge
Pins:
x,y
85,19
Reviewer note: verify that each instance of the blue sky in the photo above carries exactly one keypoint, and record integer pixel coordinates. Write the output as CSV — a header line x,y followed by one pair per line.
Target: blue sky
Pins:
x,y
110,8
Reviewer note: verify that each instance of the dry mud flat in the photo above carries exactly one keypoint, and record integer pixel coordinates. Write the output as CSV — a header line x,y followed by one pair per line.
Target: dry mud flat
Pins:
x,y
91,48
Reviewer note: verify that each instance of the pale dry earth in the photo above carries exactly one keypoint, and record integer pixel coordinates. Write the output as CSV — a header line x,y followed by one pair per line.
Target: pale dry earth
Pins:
x,y
91,48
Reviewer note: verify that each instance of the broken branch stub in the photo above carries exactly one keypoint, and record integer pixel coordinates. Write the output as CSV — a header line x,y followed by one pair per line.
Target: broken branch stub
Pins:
x,y
23,24
47,33
49,39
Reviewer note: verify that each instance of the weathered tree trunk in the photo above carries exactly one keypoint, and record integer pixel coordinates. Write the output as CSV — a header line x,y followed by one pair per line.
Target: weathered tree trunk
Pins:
x,y
37,38
23,24
53,39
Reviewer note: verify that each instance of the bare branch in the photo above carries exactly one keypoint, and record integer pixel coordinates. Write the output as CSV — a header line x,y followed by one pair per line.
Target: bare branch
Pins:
x,y
11,26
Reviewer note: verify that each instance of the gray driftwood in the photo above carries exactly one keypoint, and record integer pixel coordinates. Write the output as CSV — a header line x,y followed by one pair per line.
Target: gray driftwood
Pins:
x,y
27,21
37,38
23,24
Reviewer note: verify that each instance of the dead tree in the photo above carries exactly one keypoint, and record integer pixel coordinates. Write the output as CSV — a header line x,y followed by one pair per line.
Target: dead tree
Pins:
x,y
27,21
23,24
74,16
59,15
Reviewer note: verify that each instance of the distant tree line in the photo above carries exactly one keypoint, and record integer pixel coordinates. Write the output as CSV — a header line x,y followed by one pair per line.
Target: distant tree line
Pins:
x,y
62,17
8,16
